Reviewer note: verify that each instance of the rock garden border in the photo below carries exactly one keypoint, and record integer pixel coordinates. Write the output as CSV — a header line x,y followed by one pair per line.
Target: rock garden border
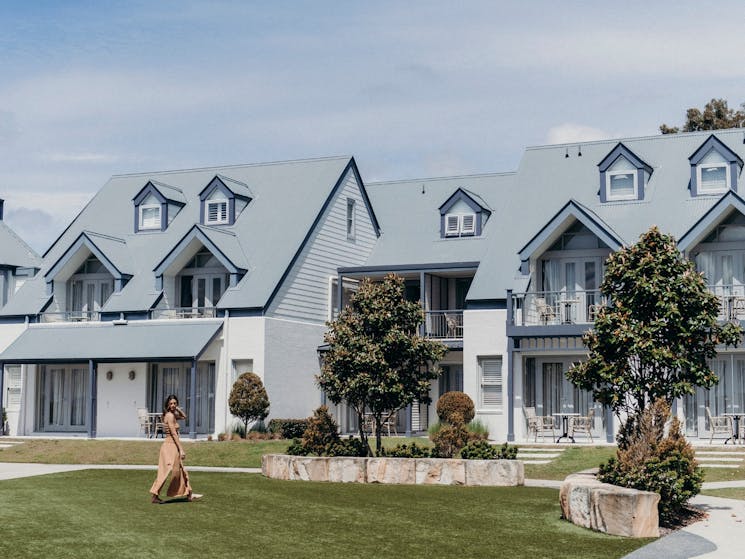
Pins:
x,y
404,471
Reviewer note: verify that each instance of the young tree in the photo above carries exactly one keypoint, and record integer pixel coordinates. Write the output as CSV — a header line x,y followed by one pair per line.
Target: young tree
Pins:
x,y
655,338
248,399
715,116
377,362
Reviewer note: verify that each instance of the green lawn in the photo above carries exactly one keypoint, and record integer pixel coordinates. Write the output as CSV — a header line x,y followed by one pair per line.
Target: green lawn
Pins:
x,y
107,513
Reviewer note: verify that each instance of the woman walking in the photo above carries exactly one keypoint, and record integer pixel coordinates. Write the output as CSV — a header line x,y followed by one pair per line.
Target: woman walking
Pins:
x,y
172,455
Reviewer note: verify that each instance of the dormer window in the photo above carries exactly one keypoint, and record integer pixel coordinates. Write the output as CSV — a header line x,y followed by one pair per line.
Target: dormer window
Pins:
x,y
156,205
714,168
623,175
216,212
223,200
464,214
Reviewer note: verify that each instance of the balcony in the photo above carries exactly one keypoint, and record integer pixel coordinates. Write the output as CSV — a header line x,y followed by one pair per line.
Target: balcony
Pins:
x,y
731,301
183,312
549,308
70,316
444,325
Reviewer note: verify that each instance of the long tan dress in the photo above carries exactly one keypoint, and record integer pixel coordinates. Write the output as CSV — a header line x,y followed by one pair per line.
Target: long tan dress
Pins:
x,y
170,463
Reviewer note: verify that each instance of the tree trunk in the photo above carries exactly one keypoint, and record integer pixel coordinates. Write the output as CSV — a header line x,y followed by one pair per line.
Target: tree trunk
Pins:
x,y
378,434
363,435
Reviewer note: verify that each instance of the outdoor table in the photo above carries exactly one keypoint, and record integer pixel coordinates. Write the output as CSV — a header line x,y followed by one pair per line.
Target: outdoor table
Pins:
x,y
735,426
565,425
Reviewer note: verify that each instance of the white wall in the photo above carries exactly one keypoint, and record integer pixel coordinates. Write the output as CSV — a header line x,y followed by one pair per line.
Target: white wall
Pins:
x,y
119,398
8,334
484,335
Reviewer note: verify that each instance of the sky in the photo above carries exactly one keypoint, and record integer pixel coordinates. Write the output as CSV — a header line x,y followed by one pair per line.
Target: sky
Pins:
x,y
410,89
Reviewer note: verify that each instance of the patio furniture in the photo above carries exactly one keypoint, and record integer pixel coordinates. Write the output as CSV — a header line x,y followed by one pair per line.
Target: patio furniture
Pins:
x,y
545,311
719,425
389,422
538,424
565,425
583,424
145,423
454,326
736,428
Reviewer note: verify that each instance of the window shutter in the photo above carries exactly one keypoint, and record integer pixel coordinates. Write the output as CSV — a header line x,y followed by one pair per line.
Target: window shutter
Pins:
x,y
223,211
469,224
491,383
452,224
13,390
217,212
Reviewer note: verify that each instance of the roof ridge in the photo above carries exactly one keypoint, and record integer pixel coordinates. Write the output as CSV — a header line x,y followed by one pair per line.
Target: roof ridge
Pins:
x,y
233,166
452,177
649,137
103,236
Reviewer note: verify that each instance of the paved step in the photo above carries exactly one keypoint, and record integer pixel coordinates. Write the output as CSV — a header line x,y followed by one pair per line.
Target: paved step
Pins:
x,y
531,449
719,466
534,461
720,454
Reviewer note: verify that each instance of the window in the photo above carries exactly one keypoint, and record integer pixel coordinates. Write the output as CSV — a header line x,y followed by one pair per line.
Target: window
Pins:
x,y
216,211
150,216
713,177
350,218
621,181
13,383
457,225
491,383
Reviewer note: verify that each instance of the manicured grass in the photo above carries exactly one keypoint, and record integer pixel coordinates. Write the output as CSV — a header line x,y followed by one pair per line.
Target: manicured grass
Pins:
x,y
729,493
723,474
107,513
573,459
236,454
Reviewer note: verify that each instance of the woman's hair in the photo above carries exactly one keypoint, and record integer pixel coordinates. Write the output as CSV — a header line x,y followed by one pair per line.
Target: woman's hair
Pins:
x,y
168,399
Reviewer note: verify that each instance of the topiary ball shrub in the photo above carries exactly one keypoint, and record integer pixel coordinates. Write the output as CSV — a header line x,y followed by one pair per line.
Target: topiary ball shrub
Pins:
x,y
455,408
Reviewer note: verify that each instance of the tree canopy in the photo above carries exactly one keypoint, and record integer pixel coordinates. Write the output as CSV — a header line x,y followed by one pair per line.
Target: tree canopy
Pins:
x,y
657,334
248,399
377,362
715,116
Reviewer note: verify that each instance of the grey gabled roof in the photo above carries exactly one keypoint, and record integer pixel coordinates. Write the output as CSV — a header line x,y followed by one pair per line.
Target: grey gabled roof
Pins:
x,y
286,199
14,251
135,341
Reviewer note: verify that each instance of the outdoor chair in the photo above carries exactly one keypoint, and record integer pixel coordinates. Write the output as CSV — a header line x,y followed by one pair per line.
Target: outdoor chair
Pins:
x,y
719,425
389,422
145,424
582,424
546,312
539,424
455,328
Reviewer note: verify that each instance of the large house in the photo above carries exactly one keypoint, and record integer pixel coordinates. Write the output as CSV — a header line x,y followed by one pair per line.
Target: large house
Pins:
x,y
179,281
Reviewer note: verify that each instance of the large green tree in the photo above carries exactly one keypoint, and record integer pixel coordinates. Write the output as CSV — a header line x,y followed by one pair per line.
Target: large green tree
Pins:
x,y
248,399
655,338
377,362
716,115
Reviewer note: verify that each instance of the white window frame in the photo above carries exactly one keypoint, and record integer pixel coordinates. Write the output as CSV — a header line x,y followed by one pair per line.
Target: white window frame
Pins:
x,y
351,222
455,225
699,178
493,386
609,192
216,202
141,219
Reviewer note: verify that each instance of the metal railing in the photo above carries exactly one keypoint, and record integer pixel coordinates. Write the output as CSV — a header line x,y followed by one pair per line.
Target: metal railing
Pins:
x,y
731,301
543,308
446,324
70,316
183,312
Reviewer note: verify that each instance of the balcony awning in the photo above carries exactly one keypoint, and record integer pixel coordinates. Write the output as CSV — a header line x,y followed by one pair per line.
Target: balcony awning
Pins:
x,y
113,342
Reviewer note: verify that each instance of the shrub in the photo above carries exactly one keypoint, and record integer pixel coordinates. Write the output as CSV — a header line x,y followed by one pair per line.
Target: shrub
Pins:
x,y
258,427
322,431
449,440
237,429
478,428
482,450
455,407
288,428
297,448
346,447
248,399
649,460
407,451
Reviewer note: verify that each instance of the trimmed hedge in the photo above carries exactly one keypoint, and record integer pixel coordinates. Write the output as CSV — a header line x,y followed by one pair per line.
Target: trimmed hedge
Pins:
x,y
455,408
288,428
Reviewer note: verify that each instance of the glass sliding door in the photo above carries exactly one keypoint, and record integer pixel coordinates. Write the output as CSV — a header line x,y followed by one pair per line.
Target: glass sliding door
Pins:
x,y
62,396
175,378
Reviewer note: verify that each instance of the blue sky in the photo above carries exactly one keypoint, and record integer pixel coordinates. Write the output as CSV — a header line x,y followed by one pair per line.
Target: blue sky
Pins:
x,y
411,89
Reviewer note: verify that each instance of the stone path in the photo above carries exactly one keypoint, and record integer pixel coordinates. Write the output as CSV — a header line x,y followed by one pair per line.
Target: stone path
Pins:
x,y
535,455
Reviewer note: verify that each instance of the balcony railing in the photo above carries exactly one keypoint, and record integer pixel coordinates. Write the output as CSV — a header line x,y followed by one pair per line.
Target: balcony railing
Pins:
x,y
543,308
731,301
70,316
444,324
183,312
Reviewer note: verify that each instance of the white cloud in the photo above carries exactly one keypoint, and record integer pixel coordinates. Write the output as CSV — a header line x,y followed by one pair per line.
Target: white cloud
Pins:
x,y
570,132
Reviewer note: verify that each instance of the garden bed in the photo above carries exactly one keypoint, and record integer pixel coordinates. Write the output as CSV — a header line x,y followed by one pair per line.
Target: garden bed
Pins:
x,y
406,471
